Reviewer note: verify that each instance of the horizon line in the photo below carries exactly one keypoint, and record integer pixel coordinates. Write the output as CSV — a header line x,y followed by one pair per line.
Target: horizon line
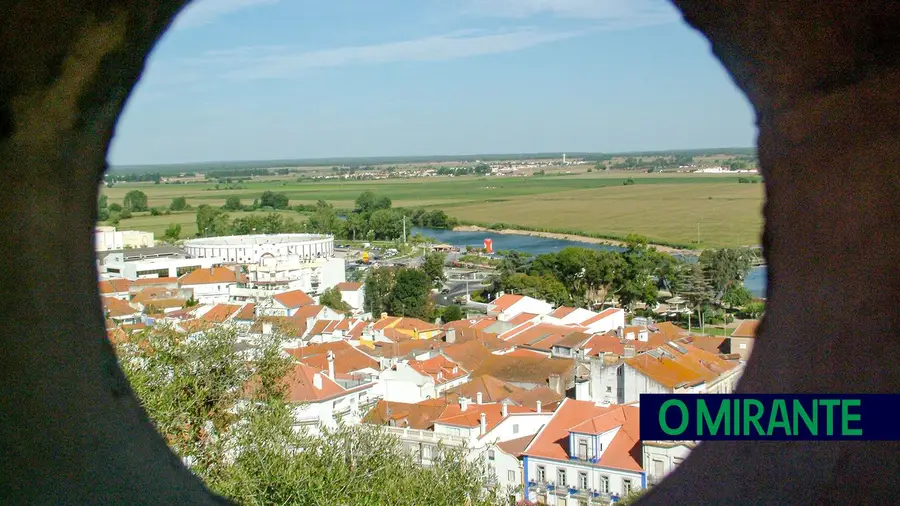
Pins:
x,y
436,158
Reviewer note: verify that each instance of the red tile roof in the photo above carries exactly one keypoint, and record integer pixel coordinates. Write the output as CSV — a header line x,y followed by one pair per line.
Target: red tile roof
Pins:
x,y
220,312
420,415
116,307
469,355
515,447
623,452
525,370
308,312
114,286
154,281
212,275
471,417
747,328
293,299
348,286
562,311
439,368
505,302
247,312
347,358
693,367
522,318
301,385
525,353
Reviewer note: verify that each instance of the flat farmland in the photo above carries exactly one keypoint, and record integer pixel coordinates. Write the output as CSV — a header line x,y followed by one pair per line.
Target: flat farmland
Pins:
x,y
728,214
664,207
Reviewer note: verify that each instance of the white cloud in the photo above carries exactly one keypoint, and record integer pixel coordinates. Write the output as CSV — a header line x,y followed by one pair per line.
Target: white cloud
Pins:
x,y
610,14
203,12
268,62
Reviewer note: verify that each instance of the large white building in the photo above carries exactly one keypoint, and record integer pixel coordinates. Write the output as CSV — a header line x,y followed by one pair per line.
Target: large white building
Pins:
x,y
253,249
289,261
109,239
114,266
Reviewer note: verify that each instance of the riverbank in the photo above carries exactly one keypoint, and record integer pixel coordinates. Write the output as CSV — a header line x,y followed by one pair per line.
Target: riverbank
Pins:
x,y
570,237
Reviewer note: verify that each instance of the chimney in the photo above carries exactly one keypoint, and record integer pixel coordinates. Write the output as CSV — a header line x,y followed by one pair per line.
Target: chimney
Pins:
x,y
330,357
504,410
383,316
479,398
629,336
483,424
629,350
267,329
317,381
212,270
539,406
620,331
451,336
463,403
556,385
643,335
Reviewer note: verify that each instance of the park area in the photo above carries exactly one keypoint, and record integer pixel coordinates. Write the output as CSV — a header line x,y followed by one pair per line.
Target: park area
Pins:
x,y
667,208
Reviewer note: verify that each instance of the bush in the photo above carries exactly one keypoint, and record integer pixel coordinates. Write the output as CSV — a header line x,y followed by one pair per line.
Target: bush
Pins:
x,y
628,181
115,208
125,214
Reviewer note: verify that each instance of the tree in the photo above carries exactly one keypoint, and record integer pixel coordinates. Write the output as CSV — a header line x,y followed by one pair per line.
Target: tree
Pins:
x,y
212,221
635,277
411,295
755,309
172,233
365,203
698,291
381,202
103,214
357,225
125,214
332,298
387,224
102,202
115,208
452,313
378,287
233,203
725,266
324,220
178,204
434,268
135,201
736,295
631,498
274,200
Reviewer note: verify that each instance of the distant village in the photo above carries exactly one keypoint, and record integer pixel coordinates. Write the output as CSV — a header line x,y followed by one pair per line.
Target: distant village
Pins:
x,y
548,396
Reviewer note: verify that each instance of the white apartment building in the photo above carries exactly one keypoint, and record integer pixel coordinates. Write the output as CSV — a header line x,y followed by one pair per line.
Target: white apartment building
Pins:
x,y
110,239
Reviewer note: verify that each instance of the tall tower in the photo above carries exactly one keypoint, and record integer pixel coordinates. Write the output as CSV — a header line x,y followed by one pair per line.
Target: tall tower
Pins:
x,y
564,158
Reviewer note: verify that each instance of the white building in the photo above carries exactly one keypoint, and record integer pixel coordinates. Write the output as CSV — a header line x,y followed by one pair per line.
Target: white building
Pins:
x,y
114,265
662,457
353,294
416,381
506,306
253,249
108,239
212,285
584,453
320,398
296,272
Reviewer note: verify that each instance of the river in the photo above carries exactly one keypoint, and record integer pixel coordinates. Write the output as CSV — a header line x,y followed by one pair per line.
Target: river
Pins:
x,y
755,282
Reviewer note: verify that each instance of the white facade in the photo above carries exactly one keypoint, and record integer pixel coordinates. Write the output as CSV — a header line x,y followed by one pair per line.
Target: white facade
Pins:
x,y
354,298
156,267
524,305
109,239
349,407
405,384
252,249
662,457
581,476
295,272
611,321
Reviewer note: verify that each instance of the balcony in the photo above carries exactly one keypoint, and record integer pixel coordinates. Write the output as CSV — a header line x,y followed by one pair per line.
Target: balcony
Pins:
x,y
425,436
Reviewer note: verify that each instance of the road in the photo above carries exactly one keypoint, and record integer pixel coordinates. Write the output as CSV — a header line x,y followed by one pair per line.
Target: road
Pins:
x,y
457,289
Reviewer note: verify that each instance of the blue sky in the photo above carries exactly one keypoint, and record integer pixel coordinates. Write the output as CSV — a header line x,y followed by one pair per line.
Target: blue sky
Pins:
x,y
281,79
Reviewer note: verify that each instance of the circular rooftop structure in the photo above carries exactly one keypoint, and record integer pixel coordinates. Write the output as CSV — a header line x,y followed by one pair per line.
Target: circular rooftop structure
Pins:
x,y
254,248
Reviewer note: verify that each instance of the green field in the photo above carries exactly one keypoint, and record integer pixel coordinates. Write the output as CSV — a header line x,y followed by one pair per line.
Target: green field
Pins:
x,y
187,220
664,207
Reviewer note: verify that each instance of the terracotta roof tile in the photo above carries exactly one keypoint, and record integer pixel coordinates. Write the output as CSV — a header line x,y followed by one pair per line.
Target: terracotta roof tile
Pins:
x,y
117,285
606,313
515,447
247,312
293,299
347,358
308,312
747,328
301,385
471,417
420,415
348,286
116,307
623,452
491,389
439,368
220,313
212,275
525,370
522,318
690,368
469,355
505,302
562,311
154,281
526,353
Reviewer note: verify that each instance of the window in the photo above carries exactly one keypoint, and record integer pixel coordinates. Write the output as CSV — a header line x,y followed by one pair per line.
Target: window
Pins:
x,y
490,454
561,477
515,428
609,390
604,484
582,480
511,476
626,486
582,449
426,452
743,346
677,461
658,468
541,474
